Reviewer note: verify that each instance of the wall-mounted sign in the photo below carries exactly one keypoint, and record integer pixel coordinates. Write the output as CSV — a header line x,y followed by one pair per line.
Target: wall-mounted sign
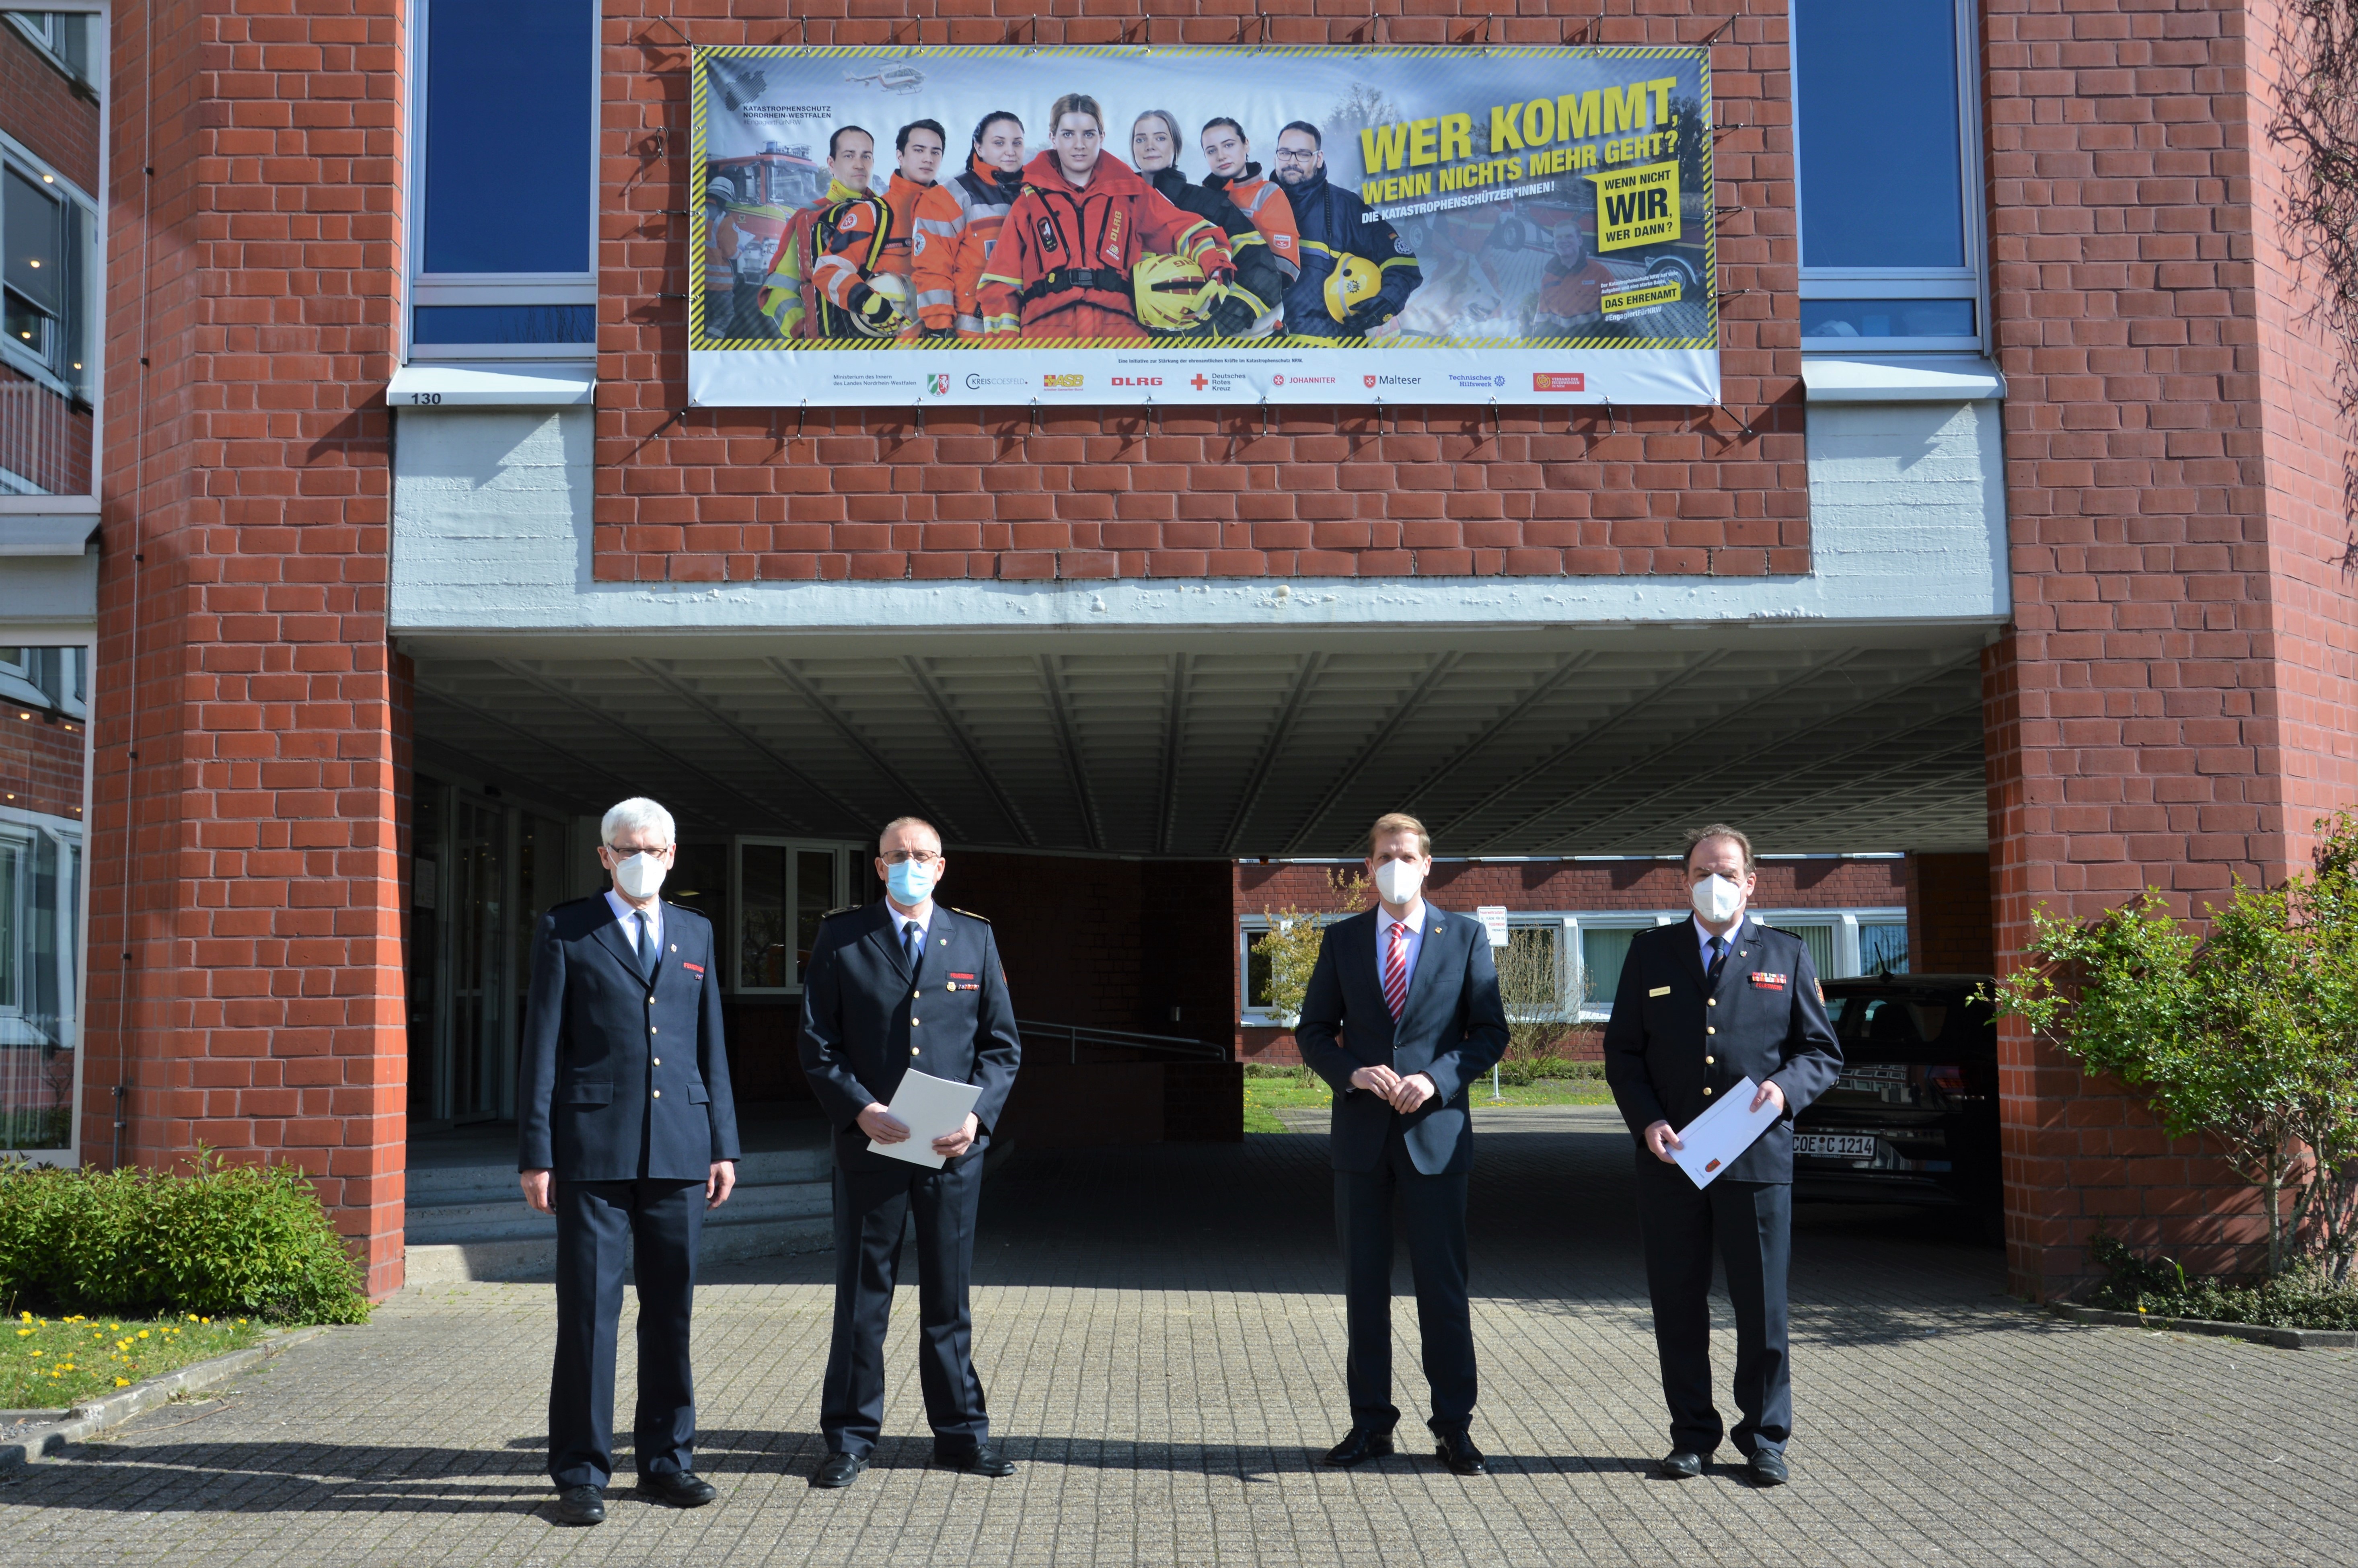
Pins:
x,y
1140,225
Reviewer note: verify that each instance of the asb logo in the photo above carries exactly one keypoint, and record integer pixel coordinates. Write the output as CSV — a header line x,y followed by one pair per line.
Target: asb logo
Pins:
x,y
1137,380
936,385
1069,382
1559,381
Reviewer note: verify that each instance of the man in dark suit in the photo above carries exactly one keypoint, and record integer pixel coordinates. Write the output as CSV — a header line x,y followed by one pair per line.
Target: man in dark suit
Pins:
x,y
1702,1006
1402,1012
905,985
628,1133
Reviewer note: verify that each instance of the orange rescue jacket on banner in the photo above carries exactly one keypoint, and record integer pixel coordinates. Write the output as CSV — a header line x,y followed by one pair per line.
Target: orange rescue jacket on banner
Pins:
x,y
1062,266
957,222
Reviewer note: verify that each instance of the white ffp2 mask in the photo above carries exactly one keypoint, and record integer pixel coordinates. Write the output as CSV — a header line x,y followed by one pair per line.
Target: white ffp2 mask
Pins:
x,y
641,875
1397,881
1717,899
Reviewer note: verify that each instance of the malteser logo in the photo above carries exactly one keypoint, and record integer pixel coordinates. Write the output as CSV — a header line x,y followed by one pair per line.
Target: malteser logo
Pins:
x,y
1137,380
1368,379
1559,381
1069,382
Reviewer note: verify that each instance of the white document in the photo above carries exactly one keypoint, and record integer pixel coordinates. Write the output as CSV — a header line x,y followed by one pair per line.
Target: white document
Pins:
x,y
1710,1142
929,1107
1493,917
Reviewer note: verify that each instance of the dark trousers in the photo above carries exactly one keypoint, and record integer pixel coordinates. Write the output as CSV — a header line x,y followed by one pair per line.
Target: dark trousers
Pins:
x,y
1433,1208
595,1222
870,1210
1751,1225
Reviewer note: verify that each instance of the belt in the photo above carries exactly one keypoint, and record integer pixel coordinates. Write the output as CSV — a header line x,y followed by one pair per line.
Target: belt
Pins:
x,y
1070,277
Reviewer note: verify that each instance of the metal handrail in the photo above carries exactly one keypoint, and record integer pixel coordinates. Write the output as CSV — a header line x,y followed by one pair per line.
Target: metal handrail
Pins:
x,y
1079,1034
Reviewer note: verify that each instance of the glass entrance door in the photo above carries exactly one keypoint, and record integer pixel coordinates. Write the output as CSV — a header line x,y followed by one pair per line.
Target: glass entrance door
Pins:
x,y
477,1052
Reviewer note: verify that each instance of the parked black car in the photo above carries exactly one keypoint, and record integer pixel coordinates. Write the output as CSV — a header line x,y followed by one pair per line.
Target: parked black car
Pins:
x,y
1913,1118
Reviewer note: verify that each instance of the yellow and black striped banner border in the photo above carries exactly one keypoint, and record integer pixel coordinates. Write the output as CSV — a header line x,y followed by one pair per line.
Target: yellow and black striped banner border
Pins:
x,y
1697,52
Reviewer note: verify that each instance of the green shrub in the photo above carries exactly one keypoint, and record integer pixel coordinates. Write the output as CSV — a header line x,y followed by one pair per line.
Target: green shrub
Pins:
x,y
1524,1071
222,1240
2301,1297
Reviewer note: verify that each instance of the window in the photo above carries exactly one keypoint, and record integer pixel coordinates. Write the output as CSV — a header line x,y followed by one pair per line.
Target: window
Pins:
x,y
784,888
1885,110
505,262
1882,947
44,757
51,127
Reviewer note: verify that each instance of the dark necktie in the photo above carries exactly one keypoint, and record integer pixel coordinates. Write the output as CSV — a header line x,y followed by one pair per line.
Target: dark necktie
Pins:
x,y
1718,956
646,949
913,946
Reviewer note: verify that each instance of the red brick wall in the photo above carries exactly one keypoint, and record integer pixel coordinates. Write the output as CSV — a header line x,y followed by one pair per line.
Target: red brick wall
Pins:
x,y
1602,885
246,974
738,494
45,113
2173,703
1949,915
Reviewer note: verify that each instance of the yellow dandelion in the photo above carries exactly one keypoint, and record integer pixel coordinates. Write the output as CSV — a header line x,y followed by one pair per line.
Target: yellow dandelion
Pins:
x,y
22,1331
143,1333
36,1352
121,1382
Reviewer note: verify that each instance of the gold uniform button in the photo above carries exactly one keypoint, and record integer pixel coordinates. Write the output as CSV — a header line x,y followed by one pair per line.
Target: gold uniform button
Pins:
x,y
653,1030
914,995
659,1061
914,1022
913,1050
1706,1089
1708,1029
1711,1001
659,1093
1709,1060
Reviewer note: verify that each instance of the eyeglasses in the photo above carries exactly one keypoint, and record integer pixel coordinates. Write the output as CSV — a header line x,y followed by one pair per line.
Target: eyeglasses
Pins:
x,y
1288,155
902,856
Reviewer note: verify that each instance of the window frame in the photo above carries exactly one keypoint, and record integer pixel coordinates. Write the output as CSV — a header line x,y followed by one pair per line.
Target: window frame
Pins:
x,y
843,850
549,288
74,949
93,260
1970,282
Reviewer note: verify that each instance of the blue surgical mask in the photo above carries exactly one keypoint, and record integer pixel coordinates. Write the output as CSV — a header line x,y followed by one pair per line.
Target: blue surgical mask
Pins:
x,y
912,882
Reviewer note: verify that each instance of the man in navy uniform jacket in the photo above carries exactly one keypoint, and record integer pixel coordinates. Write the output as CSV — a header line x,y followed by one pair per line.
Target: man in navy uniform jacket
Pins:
x,y
1402,1012
1702,1006
905,985
627,1131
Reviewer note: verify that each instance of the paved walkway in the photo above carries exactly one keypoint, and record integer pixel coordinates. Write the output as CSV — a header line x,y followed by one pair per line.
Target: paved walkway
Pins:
x,y
1161,1335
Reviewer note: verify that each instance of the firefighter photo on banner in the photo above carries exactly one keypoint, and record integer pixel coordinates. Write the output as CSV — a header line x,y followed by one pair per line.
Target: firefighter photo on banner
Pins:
x,y
1134,224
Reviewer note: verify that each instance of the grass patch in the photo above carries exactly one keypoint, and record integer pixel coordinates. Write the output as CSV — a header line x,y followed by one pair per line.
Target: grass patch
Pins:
x,y
53,1363
2300,1298
1269,1089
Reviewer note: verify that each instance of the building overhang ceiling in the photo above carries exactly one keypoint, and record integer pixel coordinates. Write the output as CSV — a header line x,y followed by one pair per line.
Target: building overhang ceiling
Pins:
x,y
1239,743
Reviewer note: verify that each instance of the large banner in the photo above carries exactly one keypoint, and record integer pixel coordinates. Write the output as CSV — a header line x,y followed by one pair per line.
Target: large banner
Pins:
x,y
1136,225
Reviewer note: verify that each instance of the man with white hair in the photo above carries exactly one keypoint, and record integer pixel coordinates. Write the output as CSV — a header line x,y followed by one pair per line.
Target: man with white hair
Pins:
x,y
627,1134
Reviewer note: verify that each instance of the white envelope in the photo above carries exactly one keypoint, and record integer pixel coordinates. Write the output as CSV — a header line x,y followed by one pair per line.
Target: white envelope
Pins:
x,y
928,1107
1710,1143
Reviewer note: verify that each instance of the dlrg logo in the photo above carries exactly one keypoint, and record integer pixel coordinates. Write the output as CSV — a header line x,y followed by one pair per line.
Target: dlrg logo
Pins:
x,y
1137,380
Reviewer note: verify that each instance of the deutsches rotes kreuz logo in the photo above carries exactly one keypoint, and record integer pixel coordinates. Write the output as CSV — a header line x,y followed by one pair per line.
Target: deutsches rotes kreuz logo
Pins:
x,y
937,385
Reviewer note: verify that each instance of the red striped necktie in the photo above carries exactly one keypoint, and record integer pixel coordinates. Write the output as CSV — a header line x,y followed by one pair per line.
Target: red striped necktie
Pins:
x,y
1396,971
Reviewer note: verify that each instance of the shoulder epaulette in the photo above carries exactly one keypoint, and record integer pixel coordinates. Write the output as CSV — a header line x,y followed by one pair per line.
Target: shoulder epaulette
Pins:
x,y
967,912
847,909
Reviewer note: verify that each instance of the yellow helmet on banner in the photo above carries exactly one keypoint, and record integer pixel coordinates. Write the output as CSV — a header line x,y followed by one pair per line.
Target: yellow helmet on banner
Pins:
x,y
894,288
1171,293
1352,283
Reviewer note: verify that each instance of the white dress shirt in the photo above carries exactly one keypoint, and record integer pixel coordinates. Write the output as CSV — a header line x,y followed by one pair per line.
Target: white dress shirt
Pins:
x,y
1704,937
629,918
923,914
1384,923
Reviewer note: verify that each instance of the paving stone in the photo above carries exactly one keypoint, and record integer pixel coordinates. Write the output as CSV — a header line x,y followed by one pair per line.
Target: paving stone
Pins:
x,y
1160,1334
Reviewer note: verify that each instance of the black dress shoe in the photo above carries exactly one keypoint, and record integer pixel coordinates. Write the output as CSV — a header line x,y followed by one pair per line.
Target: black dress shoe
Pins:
x,y
1681,1465
1359,1445
982,1459
1457,1450
839,1470
580,1505
680,1489
1768,1467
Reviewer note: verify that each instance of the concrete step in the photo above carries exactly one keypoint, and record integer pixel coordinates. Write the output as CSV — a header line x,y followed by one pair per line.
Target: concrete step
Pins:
x,y
435,1186
534,1259
508,1219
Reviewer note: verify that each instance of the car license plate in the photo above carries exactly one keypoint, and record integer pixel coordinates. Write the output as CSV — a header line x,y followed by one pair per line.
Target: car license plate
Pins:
x,y
1835,1145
